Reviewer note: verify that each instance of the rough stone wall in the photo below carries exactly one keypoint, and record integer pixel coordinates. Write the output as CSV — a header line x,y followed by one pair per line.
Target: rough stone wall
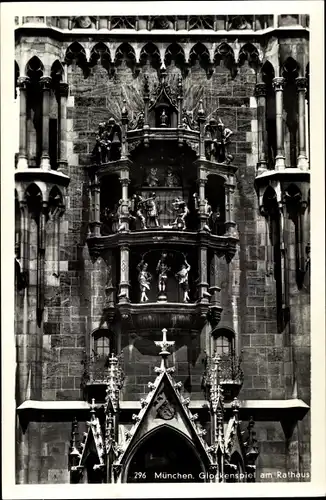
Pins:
x,y
271,360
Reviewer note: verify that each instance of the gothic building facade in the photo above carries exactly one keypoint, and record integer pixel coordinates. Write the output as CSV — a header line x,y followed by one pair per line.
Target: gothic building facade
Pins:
x,y
162,274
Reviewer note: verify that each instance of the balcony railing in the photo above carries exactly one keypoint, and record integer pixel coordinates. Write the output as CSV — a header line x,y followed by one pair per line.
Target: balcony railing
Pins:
x,y
230,375
224,23
97,374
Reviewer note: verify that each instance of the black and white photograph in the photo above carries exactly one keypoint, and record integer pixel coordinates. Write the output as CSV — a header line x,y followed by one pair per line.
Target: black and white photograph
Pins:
x,y
159,175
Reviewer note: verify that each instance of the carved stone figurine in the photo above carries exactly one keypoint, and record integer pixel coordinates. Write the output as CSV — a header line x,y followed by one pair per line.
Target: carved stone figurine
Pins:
x,y
225,140
182,211
151,211
152,179
182,277
213,220
162,268
103,145
163,119
171,179
136,207
144,279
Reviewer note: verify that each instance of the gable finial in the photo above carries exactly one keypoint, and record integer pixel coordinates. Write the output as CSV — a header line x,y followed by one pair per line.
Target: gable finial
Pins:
x,y
164,344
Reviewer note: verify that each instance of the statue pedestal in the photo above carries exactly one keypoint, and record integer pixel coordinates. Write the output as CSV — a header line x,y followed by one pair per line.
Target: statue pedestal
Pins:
x,y
162,297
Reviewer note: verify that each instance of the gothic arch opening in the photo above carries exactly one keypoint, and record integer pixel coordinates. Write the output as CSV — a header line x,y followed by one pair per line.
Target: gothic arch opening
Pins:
x,y
164,455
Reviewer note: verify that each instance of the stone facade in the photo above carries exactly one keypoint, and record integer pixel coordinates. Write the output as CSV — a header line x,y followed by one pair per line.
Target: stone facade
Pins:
x,y
77,288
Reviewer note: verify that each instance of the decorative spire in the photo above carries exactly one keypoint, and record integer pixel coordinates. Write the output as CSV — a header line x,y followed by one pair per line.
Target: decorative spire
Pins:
x,y
252,450
74,454
163,75
93,407
180,87
164,344
220,432
235,405
146,85
201,112
124,111
114,383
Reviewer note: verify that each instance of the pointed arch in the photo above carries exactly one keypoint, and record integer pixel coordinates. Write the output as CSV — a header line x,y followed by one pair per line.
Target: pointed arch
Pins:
x,y
155,452
249,52
150,52
100,53
125,50
199,52
174,52
290,69
34,198
269,198
56,71
55,197
267,72
34,68
225,54
76,53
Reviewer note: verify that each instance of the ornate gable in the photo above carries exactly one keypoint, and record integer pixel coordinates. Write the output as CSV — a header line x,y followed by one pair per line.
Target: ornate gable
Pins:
x,y
164,405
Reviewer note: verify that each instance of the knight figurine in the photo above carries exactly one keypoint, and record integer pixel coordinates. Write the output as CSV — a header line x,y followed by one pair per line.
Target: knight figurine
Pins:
x,y
182,211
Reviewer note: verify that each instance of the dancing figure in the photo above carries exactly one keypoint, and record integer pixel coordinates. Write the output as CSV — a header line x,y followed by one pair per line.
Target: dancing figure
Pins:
x,y
151,210
182,277
137,207
144,279
182,211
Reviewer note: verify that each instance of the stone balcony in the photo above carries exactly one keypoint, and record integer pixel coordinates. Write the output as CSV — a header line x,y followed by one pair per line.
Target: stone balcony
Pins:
x,y
230,375
226,245
151,316
183,24
95,376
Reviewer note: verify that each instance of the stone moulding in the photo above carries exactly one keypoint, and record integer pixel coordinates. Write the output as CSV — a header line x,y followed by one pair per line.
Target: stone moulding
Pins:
x,y
156,315
222,244
210,24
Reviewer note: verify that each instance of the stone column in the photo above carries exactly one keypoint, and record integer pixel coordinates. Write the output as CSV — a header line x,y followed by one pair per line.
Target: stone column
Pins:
x,y
278,84
124,275
283,248
201,119
230,225
22,83
40,263
203,216
124,180
180,101
302,161
260,93
203,284
124,128
95,222
97,205
63,93
45,82
23,234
